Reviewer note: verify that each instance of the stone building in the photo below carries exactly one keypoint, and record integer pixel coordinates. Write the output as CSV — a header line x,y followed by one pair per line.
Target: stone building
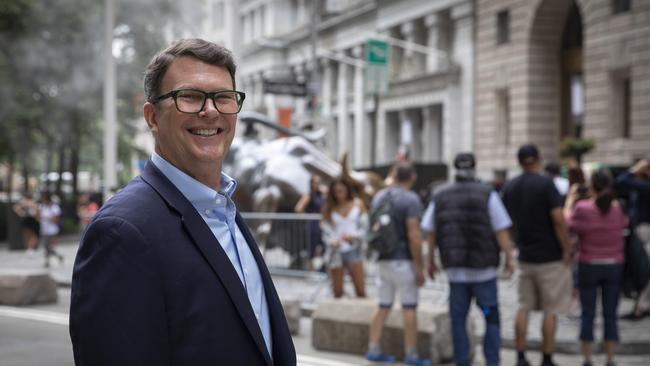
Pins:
x,y
551,69
429,104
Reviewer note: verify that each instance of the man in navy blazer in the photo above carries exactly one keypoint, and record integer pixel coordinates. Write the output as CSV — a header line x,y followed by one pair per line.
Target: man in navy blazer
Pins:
x,y
167,272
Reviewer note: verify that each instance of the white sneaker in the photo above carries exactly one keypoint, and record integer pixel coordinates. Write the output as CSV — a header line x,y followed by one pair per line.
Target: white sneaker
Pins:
x,y
30,252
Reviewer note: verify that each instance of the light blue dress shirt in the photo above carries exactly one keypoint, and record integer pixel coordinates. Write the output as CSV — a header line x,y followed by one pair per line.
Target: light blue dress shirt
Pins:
x,y
218,211
499,220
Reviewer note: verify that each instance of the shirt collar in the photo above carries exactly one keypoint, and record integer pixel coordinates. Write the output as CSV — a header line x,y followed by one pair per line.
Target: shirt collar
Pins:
x,y
191,188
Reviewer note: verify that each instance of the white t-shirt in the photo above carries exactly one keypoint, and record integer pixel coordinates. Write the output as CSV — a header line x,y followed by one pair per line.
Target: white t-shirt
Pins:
x,y
347,225
48,215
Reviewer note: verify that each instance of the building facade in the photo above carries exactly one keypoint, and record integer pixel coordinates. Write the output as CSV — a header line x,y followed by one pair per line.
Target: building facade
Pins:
x,y
547,70
428,106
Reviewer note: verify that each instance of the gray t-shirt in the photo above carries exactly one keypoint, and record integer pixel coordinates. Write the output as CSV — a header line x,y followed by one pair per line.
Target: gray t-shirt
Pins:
x,y
406,204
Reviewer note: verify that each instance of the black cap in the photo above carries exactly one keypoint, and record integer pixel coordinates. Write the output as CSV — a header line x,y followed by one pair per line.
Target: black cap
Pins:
x,y
465,161
552,168
528,154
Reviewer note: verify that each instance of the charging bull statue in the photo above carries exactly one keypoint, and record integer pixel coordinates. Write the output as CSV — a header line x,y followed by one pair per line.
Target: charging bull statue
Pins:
x,y
273,175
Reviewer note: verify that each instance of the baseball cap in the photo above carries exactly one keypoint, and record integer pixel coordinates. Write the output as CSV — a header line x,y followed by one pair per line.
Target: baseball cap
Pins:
x,y
528,154
465,161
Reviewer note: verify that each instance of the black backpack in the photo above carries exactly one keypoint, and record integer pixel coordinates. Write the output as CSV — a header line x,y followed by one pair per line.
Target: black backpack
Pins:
x,y
383,231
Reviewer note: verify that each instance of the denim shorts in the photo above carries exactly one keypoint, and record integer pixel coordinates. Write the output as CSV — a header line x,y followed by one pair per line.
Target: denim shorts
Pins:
x,y
339,259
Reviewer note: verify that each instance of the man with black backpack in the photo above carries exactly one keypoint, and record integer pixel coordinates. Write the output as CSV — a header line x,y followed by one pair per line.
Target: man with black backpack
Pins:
x,y
395,212
468,222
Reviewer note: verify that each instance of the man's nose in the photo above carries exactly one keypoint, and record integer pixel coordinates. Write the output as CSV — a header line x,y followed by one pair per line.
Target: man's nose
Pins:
x,y
209,108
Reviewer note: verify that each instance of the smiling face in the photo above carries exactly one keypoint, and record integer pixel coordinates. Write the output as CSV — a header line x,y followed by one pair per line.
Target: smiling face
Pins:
x,y
194,143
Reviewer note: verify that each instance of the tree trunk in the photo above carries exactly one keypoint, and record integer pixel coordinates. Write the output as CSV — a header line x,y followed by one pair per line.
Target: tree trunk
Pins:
x,y
61,170
75,138
24,155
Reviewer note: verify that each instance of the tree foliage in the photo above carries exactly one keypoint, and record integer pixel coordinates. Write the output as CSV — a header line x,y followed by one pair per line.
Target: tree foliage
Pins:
x,y
51,78
576,147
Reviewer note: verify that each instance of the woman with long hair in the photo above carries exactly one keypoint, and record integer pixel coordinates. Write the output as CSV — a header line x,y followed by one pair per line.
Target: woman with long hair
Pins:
x,y
599,223
344,223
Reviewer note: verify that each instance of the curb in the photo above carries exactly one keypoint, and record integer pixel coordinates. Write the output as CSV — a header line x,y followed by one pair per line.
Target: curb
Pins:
x,y
632,348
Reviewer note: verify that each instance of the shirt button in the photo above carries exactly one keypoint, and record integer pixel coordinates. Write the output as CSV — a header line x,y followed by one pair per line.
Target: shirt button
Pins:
x,y
257,316
218,201
207,211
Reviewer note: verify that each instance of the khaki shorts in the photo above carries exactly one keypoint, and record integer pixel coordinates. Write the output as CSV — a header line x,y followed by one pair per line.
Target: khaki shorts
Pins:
x,y
397,275
546,287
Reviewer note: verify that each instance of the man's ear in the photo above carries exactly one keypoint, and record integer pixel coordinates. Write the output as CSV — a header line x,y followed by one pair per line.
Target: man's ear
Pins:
x,y
149,112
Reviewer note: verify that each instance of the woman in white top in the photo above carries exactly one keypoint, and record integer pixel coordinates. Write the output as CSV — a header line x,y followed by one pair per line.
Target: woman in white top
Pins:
x,y
344,226
50,214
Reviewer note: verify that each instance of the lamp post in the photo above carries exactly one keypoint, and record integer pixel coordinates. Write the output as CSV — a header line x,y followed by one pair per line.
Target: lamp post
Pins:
x,y
110,123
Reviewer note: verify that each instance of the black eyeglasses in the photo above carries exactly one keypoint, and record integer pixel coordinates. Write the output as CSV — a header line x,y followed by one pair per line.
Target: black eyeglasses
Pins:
x,y
193,101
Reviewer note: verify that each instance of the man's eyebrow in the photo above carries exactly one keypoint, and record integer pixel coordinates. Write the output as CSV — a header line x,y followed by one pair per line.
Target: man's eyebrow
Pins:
x,y
190,86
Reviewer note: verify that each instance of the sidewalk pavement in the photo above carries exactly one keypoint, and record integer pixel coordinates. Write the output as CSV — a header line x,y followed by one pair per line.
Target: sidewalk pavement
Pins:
x,y
313,287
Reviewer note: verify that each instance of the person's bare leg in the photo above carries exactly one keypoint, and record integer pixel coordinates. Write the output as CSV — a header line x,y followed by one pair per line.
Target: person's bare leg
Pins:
x,y
610,347
336,275
358,278
521,328
549,325
29,239
410,329
377,325
33,240
586,351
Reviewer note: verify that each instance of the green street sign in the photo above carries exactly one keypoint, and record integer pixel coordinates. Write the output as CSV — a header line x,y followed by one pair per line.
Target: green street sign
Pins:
x,y
377,73
377,52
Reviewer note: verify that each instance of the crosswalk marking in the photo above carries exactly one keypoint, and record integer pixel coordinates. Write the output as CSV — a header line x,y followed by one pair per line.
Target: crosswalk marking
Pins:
x,y
62,319
304,360
31,314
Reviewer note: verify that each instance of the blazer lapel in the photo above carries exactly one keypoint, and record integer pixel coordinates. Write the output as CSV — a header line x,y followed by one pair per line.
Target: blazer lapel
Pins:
x,y
211,250
279,326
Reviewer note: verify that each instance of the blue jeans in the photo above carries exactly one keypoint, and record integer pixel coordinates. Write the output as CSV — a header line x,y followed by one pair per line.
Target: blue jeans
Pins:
x,y
460,298
607,278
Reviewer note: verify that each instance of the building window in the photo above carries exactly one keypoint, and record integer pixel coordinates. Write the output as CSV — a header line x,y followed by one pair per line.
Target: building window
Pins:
x,y
503,27
620,6
621,103
503,116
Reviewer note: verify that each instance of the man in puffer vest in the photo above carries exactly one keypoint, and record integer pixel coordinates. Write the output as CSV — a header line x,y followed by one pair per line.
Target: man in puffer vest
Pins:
x,y
469,224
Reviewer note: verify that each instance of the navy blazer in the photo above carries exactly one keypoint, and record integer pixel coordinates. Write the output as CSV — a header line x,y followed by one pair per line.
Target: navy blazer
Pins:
x,y
152,286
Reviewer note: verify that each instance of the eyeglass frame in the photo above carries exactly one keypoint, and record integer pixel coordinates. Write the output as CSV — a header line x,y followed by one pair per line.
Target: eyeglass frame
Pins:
x,y
174,93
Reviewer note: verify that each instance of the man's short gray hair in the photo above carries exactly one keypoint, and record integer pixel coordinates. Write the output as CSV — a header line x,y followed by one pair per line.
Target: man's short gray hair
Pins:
x,y
202,50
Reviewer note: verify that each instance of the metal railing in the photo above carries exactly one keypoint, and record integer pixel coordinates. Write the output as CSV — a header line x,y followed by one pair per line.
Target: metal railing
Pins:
x,y
284,238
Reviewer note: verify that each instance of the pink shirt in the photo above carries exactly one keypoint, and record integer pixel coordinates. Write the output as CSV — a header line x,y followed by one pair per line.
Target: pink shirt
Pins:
x,y
601,235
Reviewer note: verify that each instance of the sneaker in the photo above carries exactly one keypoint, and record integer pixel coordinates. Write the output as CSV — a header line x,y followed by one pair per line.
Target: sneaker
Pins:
x,y
586,363
548,363
416,361
379,357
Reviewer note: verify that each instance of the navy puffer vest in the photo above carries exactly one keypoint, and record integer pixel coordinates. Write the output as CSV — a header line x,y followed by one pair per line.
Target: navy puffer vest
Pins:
x,y
463,230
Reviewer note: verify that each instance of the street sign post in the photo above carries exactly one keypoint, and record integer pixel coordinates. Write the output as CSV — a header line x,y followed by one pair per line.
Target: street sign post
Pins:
x,y
377,71
284,87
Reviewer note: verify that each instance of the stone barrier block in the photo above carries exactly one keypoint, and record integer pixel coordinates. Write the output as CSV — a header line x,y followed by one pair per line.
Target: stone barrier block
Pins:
x,y
293,312
26,287
343,325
